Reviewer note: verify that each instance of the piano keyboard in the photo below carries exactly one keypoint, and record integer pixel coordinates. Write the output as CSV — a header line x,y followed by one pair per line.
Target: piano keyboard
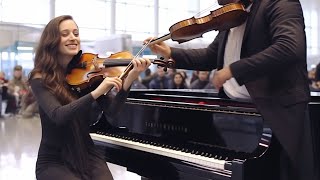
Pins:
x,y
184,156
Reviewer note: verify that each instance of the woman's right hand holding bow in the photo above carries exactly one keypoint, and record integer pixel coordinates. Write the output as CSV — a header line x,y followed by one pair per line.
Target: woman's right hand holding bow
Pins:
x,y
106,85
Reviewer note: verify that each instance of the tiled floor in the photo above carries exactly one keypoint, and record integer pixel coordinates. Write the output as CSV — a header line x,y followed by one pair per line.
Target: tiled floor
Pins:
x,y
19,142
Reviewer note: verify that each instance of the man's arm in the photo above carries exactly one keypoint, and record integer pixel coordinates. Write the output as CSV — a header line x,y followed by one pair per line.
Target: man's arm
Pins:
x,y
287,42
197,59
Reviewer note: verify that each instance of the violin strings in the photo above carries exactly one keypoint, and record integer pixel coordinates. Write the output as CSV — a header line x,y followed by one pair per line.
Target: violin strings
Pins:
x,y
130,64
143,48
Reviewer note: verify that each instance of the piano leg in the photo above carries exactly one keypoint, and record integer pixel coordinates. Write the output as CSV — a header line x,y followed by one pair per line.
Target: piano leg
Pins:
x,y
237,170
268,165
315,124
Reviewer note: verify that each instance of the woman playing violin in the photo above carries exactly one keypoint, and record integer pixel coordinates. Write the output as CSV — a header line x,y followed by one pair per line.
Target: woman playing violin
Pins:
x,y
66,150
263,60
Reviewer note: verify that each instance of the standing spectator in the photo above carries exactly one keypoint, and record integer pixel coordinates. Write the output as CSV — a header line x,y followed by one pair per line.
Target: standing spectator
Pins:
x,y
202,81
160,81
317,73
137,84
178,82
17,87
147,78
3,85
210,84
194,76
171,72
186,77
3,90
314,78
311,75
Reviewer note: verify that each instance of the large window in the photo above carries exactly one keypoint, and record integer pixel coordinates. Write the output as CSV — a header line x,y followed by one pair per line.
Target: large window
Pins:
x,y
93,17
135,18
312,31
172,12
25,12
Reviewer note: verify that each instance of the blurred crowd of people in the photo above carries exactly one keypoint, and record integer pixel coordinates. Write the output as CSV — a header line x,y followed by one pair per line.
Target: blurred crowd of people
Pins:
x,y
16,95
314,78
176,79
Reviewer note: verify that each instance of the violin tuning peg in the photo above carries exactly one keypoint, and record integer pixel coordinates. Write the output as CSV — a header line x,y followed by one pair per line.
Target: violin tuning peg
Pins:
x,y
171,63
165,69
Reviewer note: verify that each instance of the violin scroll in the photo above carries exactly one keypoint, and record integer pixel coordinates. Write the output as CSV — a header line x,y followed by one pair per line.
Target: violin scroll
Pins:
x,y
169,63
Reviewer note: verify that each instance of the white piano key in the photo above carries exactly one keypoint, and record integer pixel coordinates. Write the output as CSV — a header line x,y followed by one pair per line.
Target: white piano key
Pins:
x,y
188,157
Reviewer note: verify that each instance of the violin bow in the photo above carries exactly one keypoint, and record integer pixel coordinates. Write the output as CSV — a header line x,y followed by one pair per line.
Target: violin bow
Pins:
x,y
130,66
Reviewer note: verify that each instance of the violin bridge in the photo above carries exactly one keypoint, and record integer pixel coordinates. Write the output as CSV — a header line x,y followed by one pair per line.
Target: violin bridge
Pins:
x,y
95,64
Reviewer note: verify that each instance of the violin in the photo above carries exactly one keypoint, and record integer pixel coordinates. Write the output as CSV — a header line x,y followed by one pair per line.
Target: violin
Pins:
x,y
88,70
226,17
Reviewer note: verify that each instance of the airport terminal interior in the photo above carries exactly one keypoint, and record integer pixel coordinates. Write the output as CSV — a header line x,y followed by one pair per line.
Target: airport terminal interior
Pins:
x,y
106,27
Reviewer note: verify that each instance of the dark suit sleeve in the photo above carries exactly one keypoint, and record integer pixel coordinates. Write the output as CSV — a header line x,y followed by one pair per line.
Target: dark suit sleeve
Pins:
x,y
197,59
287,42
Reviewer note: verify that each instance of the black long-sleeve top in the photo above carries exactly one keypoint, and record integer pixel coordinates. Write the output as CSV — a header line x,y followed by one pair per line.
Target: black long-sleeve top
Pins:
x,y
56,121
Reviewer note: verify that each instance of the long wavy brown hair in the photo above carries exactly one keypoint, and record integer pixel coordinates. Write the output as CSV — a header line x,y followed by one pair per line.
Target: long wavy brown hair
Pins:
x,y
53,75
46,64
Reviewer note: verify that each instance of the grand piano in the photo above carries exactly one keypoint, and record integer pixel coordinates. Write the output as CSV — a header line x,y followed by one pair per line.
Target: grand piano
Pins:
x,y
188,134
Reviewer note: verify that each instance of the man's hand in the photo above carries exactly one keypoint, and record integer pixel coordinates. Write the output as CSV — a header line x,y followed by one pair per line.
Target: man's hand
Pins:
x,y
221,76
160,48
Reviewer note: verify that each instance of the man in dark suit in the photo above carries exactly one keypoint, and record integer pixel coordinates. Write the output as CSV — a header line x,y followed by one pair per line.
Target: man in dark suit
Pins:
x,y
263,60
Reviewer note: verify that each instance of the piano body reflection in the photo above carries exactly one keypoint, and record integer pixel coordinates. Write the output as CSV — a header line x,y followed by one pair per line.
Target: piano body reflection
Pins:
x,y
168,134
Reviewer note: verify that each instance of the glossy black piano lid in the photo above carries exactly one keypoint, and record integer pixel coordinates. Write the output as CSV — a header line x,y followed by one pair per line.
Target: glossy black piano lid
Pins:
x,y
194,119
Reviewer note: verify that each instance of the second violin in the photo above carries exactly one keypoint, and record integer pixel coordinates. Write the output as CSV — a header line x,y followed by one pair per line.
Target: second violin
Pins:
x,y
226,17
